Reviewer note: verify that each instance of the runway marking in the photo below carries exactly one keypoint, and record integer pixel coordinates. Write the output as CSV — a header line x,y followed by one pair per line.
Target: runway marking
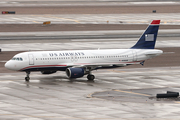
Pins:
x,y
131,92
36,116
177,102
3,61
64,19
89,95
92,18
117,39
68,19
40,116
36,22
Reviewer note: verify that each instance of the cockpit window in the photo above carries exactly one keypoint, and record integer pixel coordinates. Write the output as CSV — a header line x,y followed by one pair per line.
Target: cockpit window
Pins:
x,y
13,59
17,58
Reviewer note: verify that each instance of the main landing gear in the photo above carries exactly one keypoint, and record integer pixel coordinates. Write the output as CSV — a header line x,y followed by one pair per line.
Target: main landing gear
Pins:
x,y
90,77
27,78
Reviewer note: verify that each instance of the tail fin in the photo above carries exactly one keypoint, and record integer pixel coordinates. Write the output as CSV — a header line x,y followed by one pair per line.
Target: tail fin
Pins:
x,y
148,38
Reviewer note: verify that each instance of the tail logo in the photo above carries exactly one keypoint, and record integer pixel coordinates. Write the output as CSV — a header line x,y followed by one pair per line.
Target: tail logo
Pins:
x,y
149,37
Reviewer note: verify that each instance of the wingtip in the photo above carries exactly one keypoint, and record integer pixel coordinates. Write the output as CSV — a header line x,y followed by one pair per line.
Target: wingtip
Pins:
x,y
155,22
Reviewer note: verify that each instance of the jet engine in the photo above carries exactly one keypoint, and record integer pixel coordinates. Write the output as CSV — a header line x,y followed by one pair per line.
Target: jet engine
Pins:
x,y
48,72
75,72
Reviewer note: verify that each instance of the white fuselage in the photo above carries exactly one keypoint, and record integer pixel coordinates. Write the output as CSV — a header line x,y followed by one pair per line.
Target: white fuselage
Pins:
x,y
60,60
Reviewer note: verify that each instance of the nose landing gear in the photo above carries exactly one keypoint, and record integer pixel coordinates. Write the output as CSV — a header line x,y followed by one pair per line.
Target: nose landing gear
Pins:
x,y
27,78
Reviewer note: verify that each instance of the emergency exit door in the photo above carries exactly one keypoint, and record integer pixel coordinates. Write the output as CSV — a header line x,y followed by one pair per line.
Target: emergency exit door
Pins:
x,y
134,55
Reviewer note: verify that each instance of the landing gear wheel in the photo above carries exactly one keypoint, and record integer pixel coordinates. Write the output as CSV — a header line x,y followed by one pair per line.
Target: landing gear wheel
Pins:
x,y
27,79
90,77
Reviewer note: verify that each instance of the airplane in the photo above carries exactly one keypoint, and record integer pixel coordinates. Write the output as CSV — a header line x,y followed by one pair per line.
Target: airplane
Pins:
x,y
77,63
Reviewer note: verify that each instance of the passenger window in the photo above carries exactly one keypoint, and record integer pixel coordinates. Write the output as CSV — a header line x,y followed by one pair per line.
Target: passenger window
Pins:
x,y
21,59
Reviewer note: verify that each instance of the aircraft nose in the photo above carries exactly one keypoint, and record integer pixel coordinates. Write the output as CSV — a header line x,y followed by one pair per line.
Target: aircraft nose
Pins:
x,y
8,65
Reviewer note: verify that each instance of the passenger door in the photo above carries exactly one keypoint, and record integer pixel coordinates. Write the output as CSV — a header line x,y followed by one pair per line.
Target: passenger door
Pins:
x,y
31,59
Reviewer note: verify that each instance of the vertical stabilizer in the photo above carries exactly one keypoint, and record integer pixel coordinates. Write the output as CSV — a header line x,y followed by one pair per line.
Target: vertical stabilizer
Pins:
x,y
148,38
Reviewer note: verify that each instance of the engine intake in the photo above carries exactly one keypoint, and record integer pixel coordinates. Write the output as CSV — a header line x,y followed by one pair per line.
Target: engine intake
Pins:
x,y
48,72
75,72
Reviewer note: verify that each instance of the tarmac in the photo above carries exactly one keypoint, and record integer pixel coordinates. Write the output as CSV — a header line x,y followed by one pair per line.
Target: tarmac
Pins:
x,y
131,18
115,94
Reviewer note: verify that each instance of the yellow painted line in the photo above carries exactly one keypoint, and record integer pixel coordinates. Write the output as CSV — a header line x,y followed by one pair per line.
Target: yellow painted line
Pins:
x,y
177,102
35,22
89,95
68,19
132,92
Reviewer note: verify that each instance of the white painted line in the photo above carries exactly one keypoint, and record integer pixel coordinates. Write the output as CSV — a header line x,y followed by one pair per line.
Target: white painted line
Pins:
x,y
125,39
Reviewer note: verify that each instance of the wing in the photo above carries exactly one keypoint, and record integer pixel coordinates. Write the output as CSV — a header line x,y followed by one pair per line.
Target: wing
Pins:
x,y
101,65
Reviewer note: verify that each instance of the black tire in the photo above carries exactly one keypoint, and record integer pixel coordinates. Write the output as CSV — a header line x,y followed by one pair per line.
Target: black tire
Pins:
x,y
91,77
27,79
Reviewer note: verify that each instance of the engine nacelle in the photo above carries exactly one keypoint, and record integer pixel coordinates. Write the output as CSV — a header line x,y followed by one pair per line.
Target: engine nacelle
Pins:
x,y
48,72
75,72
